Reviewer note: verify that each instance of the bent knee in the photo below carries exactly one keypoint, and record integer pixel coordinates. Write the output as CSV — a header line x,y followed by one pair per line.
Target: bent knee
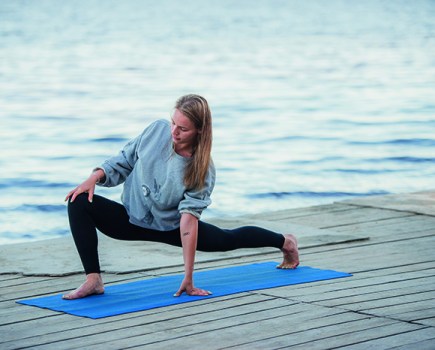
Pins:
x,y
80,201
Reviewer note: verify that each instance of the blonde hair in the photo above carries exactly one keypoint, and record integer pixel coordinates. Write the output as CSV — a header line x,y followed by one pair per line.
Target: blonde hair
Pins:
x,y
196,108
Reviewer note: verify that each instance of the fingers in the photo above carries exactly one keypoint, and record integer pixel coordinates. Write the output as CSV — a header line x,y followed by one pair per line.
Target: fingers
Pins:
x,y
69,195
72,195
87,186
201,292
180,291
90,195
76,192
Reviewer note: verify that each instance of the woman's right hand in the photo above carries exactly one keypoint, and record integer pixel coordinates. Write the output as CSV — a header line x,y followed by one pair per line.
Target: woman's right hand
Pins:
x,y
187,286
88,186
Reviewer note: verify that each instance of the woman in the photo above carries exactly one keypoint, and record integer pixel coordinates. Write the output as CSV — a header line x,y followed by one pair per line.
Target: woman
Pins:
x,y
168,178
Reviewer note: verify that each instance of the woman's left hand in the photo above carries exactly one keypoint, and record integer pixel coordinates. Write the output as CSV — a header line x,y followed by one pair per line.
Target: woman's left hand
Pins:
x,y
187,286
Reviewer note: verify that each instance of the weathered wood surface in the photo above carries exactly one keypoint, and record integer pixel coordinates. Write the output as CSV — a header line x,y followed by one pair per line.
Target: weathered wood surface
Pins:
x,y
389,303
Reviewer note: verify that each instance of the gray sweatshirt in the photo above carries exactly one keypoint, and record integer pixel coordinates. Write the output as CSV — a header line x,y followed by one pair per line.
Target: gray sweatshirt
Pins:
x,y
154,193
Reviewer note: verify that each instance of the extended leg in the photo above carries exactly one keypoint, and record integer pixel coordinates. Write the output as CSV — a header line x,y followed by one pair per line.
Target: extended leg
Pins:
x,y
212,238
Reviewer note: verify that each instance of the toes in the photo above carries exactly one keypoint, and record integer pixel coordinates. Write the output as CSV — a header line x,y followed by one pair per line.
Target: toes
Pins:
x,y
69,296
285,266
82,293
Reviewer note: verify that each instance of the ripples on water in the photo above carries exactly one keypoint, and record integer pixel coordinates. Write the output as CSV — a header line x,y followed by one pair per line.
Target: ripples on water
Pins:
x,y
313,102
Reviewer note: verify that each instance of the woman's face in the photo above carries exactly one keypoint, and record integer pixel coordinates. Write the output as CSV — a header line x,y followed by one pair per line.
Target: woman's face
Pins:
x,y
184,132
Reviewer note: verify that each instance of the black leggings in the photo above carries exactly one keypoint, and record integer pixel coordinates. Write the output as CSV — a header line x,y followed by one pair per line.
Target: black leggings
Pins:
x,y
111,218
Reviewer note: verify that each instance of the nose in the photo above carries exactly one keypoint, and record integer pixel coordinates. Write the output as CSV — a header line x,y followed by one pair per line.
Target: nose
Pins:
x,y
175,131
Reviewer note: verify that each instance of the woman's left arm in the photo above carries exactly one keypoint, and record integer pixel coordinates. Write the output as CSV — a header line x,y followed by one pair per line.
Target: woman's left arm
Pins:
x,y
189,239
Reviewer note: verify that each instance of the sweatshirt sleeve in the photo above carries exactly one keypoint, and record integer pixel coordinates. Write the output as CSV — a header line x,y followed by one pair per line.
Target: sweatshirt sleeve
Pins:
x,y
195,201
120,166
117,168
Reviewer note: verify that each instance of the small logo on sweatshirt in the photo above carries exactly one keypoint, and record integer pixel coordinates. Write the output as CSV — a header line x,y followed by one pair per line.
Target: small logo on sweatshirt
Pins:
x,y
146,190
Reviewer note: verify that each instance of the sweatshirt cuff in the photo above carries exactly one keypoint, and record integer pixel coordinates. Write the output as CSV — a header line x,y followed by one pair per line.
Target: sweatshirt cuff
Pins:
x,y
191,212
103,179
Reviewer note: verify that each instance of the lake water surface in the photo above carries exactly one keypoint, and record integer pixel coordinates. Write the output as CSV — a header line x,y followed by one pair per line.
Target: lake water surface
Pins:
x,y
312,101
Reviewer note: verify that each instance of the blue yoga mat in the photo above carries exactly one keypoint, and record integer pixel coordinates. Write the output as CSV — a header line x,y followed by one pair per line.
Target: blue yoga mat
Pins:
x,y
157,292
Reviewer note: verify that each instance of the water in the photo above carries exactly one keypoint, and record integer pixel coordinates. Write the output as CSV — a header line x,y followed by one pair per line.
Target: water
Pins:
x,y
313,101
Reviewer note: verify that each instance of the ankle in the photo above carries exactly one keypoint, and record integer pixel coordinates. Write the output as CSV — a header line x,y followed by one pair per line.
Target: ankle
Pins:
x,y
94,277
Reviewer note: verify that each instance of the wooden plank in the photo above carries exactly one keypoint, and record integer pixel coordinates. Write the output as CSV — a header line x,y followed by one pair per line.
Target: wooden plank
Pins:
x,y
353,287
381,235
136,321
429,321
396,290
428,344
38,286
6,278
410,340
417,202
408,224
288,215
373,240
58,285
12,317
397,269
245,334
394,311
344,296
375,300
376,278
60,322
341,339
216,333
21,280
348,217
366,257
386,235
18,313
424,313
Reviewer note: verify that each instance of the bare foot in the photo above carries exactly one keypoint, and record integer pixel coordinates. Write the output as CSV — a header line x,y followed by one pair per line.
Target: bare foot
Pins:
x,y
290,251
93,285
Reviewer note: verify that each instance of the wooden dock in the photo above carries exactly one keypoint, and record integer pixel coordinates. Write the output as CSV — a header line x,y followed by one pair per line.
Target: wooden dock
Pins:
x,y
386,242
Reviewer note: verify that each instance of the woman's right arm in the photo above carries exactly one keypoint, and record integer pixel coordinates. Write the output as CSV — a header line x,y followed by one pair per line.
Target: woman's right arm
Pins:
x,y
115,170
88,186
112,172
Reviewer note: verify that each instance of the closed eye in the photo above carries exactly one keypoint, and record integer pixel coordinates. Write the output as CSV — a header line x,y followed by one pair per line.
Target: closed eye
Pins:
x,y
180,127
